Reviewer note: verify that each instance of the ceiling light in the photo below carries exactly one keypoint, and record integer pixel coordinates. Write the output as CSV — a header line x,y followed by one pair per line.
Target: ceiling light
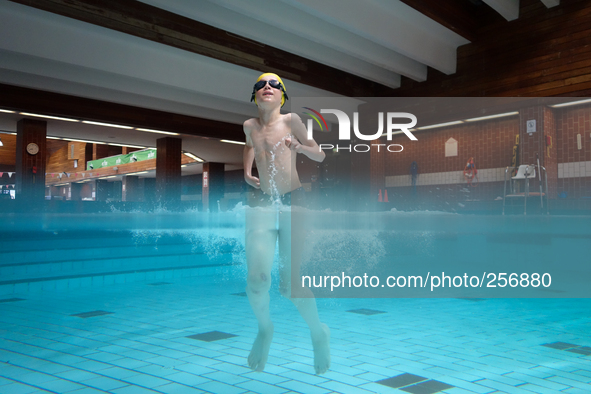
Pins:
x,y
440,125
234,142
1,144
88,142
7,111
493,116
192,156
157,131
128,146
137,173
571,103
49,117
107,177
53,138
107,124
395,132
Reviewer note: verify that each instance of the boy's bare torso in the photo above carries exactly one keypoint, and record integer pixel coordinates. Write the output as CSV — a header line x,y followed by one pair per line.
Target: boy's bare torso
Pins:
x,y
275,162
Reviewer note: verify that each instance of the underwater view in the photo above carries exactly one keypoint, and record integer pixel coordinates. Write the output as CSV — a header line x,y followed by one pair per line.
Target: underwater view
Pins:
x,y
156,302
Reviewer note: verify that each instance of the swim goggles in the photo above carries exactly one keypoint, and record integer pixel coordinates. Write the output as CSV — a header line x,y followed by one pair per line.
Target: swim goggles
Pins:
x,y
275,84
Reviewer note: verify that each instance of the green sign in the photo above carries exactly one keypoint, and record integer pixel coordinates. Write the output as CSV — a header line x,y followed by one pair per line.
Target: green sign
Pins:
x,y
132,157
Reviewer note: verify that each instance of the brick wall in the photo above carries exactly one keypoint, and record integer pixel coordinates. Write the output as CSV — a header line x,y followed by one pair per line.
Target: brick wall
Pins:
x,y
491,143
441,179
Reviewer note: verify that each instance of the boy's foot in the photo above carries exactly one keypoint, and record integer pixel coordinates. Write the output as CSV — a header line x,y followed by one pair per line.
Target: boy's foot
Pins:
x,y
321,344
260,349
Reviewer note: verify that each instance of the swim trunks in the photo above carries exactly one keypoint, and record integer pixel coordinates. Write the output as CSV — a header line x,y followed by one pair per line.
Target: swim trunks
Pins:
x,y
295,197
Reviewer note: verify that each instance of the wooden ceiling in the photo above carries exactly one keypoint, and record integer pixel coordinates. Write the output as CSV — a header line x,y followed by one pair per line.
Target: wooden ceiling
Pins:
x,y
545,52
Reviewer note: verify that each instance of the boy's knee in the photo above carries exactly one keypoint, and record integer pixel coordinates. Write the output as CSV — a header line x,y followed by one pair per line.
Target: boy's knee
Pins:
x,y
285,291
258,281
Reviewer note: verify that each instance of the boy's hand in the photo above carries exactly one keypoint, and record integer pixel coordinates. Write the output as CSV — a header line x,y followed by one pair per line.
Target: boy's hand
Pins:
x,y
253,181
293,144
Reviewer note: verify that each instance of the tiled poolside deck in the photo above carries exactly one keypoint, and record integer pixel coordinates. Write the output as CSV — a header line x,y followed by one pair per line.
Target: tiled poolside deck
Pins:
x,y
134,338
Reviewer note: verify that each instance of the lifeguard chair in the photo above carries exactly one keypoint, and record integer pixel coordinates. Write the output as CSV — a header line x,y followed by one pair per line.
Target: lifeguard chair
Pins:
x,y
524,174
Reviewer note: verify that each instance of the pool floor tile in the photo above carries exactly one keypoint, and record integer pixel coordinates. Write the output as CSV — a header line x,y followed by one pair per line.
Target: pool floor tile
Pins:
x,y
19,388
584,350
105,383
11,299
133,390
241,294
175,388
146,343
367,312
211,336
302,387
402,380
221,388
427,387
186,378
60,386
261,387
560,345
86,315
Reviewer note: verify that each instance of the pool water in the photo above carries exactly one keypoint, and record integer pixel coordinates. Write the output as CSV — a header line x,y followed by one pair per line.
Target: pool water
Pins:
x,y
134,303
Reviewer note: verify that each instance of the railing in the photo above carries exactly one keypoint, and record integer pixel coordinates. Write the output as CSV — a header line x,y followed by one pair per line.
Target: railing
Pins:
x,y
526,177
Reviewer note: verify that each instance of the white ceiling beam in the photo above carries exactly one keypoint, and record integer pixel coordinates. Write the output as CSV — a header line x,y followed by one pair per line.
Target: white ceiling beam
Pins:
x,y
509,9
214,14
551,3
300,25
53,37
393,25
52,76
59,54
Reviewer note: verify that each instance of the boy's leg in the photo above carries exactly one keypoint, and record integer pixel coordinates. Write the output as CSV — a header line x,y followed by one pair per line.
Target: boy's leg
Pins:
x,y
291,243
261,237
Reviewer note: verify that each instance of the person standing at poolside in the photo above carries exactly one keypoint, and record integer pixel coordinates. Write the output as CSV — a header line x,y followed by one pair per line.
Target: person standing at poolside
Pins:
x,y
273,141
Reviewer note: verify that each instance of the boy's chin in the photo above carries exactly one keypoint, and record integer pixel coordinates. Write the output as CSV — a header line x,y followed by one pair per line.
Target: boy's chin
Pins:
x,y
268,104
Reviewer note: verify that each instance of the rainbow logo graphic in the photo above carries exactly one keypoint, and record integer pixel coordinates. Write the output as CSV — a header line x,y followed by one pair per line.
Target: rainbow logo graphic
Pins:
x,y
316,118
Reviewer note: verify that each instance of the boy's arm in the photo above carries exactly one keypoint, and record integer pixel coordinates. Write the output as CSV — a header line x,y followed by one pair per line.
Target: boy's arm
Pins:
x,y
248,160
308,147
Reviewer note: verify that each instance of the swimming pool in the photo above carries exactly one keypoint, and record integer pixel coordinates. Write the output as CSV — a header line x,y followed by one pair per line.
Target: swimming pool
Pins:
x,y
132,302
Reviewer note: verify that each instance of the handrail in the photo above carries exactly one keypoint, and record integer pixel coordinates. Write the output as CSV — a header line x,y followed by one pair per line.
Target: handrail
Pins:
x,y
505,188
546,182
526,193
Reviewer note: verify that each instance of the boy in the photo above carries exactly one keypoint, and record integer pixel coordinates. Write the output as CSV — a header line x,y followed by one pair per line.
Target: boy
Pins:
x,y
273,141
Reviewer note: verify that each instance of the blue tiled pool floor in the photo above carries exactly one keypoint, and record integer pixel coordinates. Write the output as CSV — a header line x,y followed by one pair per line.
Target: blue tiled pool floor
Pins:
x,y
134,338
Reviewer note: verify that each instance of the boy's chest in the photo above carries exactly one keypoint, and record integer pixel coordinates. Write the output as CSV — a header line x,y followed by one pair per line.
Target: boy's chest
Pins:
x,y
268,139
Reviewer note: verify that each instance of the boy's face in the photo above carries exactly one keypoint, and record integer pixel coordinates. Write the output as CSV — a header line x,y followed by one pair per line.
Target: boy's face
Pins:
x,y
268,94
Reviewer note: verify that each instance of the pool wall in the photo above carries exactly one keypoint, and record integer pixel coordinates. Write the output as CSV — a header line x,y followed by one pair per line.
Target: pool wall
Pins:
x,y
57,252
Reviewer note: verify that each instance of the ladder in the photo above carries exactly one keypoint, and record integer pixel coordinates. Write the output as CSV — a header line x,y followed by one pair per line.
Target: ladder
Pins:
x,y
526,172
